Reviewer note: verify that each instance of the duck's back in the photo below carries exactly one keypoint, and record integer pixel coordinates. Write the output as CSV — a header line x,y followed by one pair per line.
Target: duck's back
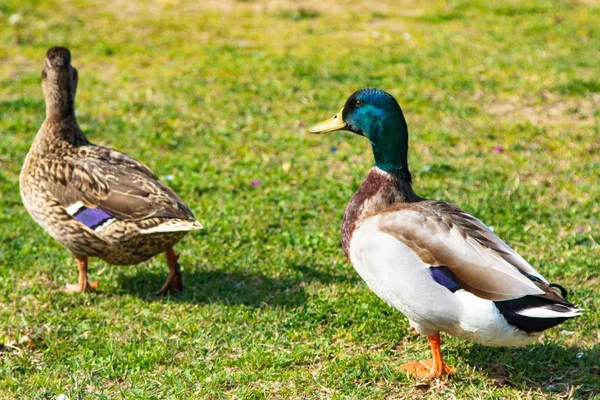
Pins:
x,y
100,202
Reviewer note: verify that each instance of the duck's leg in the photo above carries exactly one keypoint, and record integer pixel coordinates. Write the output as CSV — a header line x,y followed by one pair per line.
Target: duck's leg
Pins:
x,y
83,285
439,367
434,368
174,282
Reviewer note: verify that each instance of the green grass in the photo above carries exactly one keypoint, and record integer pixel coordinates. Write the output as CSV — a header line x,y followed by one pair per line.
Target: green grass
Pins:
x,y
221,94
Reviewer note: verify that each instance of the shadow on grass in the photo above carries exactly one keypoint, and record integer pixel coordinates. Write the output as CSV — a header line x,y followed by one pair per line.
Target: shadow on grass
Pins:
x,y
247,288
573,372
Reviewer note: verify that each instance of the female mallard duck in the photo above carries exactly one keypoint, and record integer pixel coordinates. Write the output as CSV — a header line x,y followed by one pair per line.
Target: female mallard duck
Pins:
x,y
95,201
442,268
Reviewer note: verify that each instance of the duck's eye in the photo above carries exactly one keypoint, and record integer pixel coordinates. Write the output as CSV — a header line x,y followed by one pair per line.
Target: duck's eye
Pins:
x,y
358,103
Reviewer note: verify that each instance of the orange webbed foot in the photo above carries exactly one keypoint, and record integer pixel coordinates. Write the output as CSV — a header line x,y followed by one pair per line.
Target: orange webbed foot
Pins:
x,y
173,284
434,368
79,288
418,369
424,369
83,285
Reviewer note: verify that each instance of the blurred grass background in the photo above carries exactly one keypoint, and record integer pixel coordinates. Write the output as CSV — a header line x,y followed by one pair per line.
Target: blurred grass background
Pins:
x,y
502,100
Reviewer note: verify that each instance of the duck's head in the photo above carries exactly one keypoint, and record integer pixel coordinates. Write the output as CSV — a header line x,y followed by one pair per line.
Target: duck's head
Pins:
x,y
376,115
59,82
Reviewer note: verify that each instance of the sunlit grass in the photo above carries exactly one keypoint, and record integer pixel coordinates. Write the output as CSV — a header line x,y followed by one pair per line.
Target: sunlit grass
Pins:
x,y
502,103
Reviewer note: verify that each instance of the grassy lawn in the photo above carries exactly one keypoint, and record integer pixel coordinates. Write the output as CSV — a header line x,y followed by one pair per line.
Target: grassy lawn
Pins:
x,y
502,101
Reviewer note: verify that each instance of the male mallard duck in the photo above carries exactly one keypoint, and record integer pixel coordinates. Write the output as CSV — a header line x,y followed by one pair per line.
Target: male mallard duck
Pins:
x,y
441,267
95,201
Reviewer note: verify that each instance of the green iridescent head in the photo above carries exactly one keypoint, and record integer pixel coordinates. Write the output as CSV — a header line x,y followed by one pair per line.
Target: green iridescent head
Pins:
x,y
376,115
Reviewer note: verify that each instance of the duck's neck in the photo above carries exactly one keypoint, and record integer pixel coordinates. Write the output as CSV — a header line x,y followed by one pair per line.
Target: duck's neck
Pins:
x,y
379,191
60,104
60,128
389,140
57,134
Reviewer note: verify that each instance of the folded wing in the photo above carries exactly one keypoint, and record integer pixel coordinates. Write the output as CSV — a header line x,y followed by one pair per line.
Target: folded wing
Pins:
x,y
444,235
102,184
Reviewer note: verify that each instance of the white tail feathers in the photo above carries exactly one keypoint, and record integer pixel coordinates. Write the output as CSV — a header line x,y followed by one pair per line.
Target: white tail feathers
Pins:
x,y
547,312
174,225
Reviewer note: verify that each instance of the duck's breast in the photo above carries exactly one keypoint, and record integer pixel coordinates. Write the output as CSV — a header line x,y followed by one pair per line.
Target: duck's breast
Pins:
x,y
399,277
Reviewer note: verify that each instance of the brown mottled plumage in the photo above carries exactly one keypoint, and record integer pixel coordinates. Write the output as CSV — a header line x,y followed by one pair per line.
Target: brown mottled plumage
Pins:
x,y
66,180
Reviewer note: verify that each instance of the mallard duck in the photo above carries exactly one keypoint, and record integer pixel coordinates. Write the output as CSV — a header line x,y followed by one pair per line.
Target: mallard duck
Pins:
x,y
95,201
441,267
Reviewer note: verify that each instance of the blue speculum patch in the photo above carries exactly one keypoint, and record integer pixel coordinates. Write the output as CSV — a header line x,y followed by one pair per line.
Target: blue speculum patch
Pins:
x,y
445,277
92,217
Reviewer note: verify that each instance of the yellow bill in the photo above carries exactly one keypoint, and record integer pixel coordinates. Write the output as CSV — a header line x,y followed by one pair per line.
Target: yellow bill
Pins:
x,y
334,123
